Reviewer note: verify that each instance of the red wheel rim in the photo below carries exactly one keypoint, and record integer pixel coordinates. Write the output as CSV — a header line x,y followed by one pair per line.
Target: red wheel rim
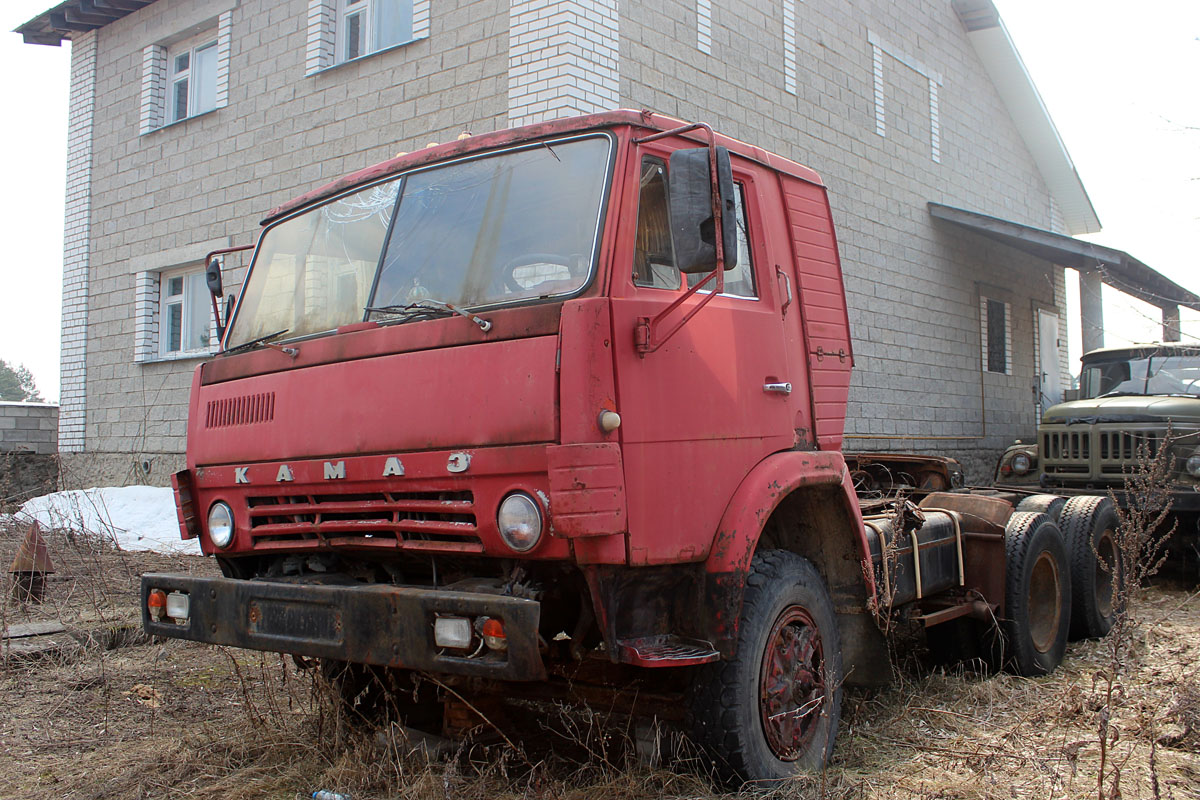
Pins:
x,y
791,696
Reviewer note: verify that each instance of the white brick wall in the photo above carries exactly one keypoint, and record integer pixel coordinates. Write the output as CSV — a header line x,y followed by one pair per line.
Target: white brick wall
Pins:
x,y
789,46
77,245
154,87
319,47
224,46
146,290
563,59
704,25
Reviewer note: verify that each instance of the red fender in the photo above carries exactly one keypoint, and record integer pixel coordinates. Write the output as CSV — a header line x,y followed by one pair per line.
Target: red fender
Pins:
x,y
756,498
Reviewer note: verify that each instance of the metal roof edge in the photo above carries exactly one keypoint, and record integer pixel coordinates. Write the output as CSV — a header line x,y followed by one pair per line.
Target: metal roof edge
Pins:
x,y
998,53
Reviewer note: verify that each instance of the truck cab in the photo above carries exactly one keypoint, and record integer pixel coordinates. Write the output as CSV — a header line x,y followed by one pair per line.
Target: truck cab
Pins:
x,y
565,403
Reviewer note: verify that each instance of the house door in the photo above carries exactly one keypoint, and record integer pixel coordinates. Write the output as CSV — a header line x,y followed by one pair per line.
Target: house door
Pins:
x,y
1049,376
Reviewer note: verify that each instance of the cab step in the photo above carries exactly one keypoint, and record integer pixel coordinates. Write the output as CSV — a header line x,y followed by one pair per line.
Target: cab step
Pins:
x,y
666,651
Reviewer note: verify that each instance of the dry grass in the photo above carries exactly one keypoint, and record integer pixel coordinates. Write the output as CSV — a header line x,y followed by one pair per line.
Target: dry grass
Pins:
x,y
182,720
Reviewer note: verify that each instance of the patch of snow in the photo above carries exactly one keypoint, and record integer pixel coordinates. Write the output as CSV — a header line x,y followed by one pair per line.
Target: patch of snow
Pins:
x,y
133,517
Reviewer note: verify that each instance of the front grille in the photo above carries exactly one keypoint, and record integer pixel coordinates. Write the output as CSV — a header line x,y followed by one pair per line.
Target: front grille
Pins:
x,y
429,520
1066,452
1120,451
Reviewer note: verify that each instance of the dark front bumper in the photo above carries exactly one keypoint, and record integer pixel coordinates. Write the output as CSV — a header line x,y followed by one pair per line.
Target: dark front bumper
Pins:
x,y
367,624
1183,500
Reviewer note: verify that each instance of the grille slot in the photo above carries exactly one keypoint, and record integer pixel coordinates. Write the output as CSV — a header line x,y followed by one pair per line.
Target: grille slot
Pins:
x,y
250,409
436,521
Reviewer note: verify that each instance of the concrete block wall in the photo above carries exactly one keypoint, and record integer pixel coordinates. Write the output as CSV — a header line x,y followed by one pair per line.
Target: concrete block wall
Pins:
x,y
913,285
28,427
160,199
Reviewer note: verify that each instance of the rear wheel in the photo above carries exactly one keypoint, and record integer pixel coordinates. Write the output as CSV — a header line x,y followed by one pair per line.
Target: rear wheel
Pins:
x,y
773,709
1037,601
1089,525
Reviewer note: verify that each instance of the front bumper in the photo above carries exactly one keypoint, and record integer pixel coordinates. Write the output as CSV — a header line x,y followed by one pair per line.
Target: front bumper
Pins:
x,y
368,624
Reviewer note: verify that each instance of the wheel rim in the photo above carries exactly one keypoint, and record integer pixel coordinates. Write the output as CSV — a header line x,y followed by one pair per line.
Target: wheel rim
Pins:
x,y
792,684
1045,607
1106,565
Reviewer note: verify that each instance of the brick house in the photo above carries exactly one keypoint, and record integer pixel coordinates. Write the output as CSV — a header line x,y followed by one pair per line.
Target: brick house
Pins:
x,y
954,197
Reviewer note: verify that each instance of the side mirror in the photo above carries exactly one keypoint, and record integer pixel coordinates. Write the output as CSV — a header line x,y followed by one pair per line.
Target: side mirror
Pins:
x,y
212,276
692,210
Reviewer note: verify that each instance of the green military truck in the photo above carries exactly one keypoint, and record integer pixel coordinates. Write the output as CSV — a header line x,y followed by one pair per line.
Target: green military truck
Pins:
x,y
1128,398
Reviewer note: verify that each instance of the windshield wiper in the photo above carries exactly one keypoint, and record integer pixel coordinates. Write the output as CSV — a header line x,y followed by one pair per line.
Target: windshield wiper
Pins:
x,y
255,342
429,306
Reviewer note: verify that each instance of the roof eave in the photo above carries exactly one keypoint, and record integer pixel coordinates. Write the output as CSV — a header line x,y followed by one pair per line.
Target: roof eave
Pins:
x,y
1013,82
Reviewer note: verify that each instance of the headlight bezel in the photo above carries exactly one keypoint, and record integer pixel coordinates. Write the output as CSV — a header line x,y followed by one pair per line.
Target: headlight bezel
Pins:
x,y
220,541
1192,465
522,530
1021,463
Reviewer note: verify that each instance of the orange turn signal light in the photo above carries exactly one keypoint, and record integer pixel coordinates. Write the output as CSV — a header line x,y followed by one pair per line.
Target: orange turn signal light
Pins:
x,y
156,604
493,634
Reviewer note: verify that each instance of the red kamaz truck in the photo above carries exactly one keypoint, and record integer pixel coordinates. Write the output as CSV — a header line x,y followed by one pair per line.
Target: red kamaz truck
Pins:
x,y
564,404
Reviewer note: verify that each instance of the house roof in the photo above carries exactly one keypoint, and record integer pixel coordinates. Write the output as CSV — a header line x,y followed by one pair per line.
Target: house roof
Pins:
x,y
75,16
1004,66
1117,268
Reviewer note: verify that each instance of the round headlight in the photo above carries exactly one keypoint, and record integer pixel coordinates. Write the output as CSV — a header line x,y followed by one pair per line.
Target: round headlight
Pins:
x,y
220,524
1193,465
520,521
1020,463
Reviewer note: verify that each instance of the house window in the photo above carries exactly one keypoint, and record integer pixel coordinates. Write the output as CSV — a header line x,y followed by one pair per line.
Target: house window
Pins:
x,y
365,26
184,317
193,80
186,77
996,334
343,30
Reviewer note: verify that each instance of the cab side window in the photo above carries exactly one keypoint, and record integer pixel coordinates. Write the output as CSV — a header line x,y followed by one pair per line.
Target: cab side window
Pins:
x,y
739,281
653,257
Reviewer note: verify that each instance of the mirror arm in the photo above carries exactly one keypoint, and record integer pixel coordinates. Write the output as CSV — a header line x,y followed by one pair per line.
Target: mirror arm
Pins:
x,y
208,259
645,335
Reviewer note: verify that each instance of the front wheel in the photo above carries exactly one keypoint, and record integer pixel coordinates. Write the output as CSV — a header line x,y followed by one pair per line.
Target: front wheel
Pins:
x,y
773,709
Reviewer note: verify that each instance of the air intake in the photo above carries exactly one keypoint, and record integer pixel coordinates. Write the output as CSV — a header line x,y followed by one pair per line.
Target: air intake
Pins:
x,y
250,409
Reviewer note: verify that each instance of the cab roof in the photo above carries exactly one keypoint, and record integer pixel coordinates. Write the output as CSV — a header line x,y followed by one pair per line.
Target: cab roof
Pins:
x,y
1141,350
468,145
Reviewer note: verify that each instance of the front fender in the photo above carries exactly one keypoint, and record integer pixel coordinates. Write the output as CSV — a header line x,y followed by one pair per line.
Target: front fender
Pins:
x,y
758,496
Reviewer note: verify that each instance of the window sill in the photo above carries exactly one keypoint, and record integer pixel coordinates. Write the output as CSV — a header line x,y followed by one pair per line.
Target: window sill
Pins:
x,y
365,56
182,121
191,355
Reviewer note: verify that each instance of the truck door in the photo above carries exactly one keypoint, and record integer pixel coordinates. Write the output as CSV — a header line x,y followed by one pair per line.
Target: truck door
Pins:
x,y
698,413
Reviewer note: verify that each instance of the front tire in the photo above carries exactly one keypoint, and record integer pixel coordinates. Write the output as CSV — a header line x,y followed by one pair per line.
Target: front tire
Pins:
x,y
773,709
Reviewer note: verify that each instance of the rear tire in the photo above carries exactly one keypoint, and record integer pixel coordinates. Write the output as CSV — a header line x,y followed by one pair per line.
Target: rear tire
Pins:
x,y
1037,603
1089,526
773,709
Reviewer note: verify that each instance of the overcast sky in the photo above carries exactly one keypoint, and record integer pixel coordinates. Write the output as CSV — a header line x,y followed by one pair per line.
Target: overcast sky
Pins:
x,y
1120,79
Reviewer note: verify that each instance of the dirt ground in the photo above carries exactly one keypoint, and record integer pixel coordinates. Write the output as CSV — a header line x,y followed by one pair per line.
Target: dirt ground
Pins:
x,y
181,720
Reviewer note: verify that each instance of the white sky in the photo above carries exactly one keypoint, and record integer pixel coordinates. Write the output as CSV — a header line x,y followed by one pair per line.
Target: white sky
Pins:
x,y
1119,77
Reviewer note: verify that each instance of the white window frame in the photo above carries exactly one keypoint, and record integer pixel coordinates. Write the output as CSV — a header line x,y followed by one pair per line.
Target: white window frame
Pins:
x,y
190,50
328,30
198,303
159,76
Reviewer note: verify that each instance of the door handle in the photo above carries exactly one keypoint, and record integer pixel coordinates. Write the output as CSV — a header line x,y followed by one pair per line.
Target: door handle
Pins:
x,y
779,388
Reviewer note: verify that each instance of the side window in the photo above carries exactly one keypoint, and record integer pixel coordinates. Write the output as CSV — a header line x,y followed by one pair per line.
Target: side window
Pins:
x,y
739,281
653,257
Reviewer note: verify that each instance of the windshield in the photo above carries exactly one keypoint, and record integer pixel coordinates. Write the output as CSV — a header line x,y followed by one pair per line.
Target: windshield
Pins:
x,y
497,229
1162,374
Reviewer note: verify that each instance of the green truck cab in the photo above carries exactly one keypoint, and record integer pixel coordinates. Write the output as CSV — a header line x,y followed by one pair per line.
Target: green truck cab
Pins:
x,y
1128,398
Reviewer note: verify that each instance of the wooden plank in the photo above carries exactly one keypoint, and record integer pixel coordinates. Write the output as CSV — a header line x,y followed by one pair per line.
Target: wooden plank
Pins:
x,y
27,629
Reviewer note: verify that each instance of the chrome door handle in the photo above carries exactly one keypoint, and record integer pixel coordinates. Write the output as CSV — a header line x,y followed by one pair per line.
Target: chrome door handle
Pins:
x,y
781,388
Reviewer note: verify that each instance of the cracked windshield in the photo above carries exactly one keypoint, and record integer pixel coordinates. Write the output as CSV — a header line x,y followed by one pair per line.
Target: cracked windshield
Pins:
x,y
1176,374
516,226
